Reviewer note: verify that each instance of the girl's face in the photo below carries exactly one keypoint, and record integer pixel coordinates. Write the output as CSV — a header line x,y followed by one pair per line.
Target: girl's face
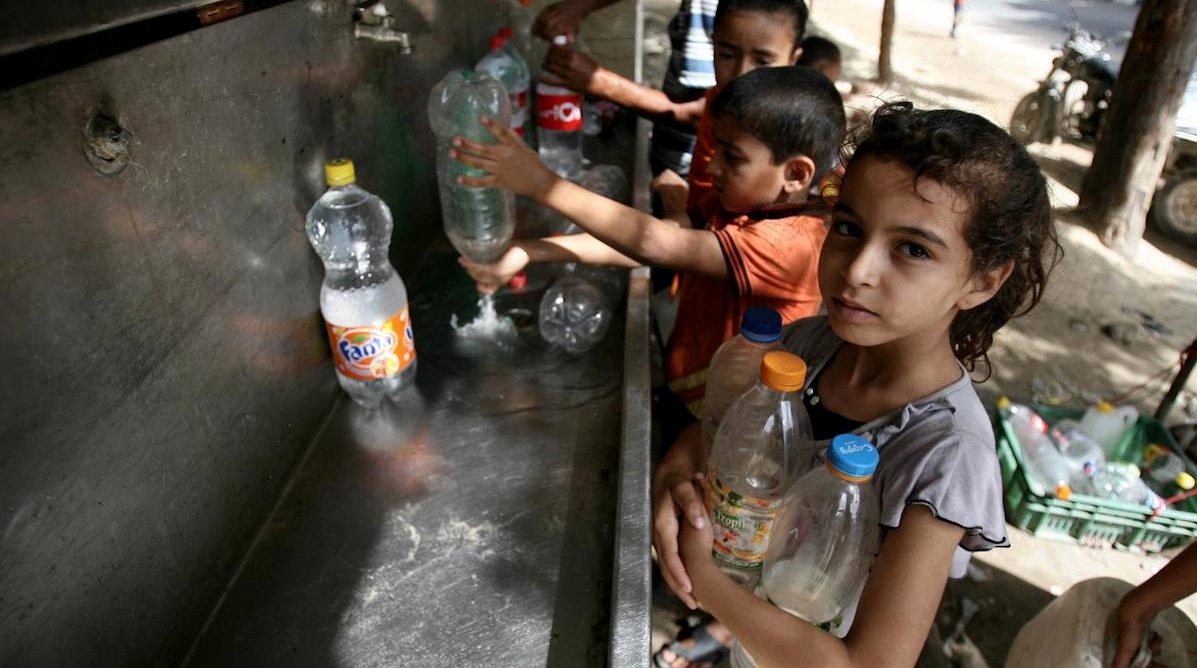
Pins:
x,y
747,40
895,264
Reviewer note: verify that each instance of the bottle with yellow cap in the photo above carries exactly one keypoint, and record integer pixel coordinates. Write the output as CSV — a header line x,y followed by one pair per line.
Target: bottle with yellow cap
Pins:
x,y
363,299
1106,423
762,445
824,540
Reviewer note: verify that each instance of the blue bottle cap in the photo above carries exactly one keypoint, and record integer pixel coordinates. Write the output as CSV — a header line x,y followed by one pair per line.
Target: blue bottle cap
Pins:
x,y
852,458
761,324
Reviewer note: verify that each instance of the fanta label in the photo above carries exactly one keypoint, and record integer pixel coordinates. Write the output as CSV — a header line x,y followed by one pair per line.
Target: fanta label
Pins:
x,y
559,112
372,353
742,525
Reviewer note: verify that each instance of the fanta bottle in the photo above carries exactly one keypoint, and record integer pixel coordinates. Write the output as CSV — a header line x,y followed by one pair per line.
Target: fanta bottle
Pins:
x,y
363,300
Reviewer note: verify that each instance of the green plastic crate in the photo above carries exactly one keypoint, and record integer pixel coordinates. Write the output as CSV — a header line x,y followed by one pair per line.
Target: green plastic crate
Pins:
x,y
1086,519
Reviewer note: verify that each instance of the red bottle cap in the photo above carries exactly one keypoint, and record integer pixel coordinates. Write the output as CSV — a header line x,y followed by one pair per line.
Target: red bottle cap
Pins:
x,y
496,42
518,281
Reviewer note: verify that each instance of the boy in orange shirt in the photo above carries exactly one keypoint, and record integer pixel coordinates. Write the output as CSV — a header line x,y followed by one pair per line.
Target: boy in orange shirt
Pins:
x,y
747,34
753,241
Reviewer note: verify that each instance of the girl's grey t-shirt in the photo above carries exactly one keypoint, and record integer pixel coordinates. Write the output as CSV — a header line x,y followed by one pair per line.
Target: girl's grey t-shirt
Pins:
x,y
937,451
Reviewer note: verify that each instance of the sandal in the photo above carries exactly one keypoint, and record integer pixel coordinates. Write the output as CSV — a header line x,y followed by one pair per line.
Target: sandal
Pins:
x,y
704,648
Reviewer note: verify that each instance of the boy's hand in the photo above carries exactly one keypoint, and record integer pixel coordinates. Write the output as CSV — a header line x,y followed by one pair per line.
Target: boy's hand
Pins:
x,y
512,164
673,190
560,18
571,68
491,277
675,496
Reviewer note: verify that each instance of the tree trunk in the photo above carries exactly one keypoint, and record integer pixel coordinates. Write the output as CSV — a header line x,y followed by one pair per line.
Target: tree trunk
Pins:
x,y
1137,131
885,64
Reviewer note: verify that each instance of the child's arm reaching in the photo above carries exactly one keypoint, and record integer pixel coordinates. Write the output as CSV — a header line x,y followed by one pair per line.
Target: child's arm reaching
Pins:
x,y
1175,581
893,618
664,243
582,73
573,248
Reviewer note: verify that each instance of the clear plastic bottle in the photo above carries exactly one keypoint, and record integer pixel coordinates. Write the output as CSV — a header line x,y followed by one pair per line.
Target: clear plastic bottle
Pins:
x,y
1027,425
1120,481
521,17
559,126
824,540
363,299
479,221
735,366
763,444
506,65
1081,452
574,314
1161,464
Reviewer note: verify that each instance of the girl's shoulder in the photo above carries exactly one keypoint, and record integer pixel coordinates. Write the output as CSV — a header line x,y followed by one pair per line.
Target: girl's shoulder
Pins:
x,y
939,452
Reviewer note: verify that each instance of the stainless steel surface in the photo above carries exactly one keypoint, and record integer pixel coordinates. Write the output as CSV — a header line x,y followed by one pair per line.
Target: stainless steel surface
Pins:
x,y
468,526
24,25
165,364
631,597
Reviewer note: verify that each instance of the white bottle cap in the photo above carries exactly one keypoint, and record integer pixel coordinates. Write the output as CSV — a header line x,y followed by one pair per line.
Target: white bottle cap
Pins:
x,y
560,40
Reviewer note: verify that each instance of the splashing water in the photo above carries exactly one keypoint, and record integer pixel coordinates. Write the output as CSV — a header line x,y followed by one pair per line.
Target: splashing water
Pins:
x,y
487,325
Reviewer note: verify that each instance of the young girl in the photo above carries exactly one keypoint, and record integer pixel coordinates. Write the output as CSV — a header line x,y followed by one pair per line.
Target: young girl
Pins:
x,y
942,233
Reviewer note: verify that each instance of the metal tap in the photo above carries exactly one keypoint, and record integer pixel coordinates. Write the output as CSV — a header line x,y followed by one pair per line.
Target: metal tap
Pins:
x,y
372,20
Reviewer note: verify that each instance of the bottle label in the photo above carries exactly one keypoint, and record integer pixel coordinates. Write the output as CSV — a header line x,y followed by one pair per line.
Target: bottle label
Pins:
x,y
559,112
742,524
372,353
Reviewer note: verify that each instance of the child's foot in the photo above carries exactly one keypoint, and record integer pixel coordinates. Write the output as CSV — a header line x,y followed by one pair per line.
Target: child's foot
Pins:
x,y
708,645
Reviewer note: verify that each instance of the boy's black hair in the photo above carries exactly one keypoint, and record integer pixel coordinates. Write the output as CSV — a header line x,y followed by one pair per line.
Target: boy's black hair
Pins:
x,y
795,10
1011,216
817,50
792,110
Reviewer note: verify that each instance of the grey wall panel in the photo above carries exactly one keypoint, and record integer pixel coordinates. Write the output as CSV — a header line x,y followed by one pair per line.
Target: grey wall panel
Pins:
x,y
164,360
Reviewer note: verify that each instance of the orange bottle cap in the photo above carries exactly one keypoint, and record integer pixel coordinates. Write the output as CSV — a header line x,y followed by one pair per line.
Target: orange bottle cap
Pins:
x,y
782,371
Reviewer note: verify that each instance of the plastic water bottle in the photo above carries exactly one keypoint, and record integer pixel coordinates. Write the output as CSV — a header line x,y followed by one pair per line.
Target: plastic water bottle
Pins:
x,y
521,17
1162,465
574,314
1026,423
824,540
479,221
736,365
506,65
1120,481
763,444
363,300
559,126
1082,452
1106,423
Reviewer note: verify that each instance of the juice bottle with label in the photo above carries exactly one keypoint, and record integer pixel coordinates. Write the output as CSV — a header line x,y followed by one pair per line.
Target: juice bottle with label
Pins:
x,y
762,445
363,299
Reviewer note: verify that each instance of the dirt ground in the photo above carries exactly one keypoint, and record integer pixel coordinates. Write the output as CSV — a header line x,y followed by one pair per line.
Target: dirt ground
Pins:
x,y
1059,352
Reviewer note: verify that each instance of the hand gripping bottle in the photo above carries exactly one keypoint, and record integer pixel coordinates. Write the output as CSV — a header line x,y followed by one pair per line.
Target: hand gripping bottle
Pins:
x,y
559,126
363,300
479,221
736,365
763,444
508,67
824,540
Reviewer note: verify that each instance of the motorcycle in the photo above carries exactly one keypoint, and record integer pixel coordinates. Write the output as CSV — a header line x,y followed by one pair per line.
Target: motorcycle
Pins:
x,y
1072,99
1070,104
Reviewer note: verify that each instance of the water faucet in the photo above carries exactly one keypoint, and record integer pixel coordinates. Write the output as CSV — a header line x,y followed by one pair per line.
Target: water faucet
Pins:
x,y
372,20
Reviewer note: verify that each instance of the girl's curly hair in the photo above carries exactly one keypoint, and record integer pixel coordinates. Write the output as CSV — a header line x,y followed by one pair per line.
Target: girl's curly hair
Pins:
x,y
1011,217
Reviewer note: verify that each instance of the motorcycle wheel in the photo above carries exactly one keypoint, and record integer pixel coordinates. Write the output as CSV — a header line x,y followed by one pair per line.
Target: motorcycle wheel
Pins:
x,y
1174,207
1026,123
